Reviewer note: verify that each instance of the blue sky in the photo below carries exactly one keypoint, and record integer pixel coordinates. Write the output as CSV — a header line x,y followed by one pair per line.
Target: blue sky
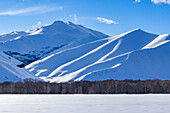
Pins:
x,y
108,16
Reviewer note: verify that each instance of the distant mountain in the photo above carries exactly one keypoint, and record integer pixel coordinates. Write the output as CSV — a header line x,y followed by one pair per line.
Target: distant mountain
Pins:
x,y
13,36
28,46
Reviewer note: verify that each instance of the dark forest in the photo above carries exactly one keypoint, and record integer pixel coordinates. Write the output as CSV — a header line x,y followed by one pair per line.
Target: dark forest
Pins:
x,y
87,87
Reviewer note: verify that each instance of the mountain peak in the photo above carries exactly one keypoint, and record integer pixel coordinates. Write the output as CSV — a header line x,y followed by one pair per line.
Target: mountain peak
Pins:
x,y
58,22
70,23
137,29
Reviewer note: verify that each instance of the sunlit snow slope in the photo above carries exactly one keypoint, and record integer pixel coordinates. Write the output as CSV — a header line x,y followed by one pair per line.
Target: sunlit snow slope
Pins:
x,y
133,55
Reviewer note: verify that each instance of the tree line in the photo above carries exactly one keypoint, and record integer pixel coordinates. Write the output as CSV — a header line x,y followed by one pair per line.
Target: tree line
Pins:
x,y
87,87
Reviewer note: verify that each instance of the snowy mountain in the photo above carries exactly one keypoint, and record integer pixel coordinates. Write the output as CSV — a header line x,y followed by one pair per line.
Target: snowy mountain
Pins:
x,y
9,70
13,36
64,52
132,55
28,46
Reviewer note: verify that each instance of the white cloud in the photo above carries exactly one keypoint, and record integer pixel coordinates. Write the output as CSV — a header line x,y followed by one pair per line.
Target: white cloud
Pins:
x,y
60,8
31,10
37,25
157,1
107,21
137,0
75,18
161,1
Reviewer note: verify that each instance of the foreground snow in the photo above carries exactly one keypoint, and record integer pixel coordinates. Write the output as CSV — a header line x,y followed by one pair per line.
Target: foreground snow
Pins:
x,y
85,103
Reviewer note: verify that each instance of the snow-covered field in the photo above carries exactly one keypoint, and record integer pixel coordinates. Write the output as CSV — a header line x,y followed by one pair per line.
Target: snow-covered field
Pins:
x,y
84,103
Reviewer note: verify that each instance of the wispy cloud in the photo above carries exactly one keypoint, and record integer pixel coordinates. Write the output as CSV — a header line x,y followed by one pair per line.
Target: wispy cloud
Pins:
x,y
161,1
75,18
137,0
37,25
31,10
157,1
107,21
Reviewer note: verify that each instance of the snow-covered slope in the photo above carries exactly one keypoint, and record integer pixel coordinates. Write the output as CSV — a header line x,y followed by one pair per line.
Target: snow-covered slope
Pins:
x,y
9,70
160,40
143,64
13,36
132,55
32,45
64,52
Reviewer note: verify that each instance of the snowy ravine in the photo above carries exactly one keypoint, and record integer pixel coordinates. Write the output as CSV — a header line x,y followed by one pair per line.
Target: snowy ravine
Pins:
x,y
64,52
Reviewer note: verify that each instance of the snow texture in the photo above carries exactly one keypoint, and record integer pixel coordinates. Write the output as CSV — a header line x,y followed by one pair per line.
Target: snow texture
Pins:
x,y
85,103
